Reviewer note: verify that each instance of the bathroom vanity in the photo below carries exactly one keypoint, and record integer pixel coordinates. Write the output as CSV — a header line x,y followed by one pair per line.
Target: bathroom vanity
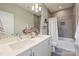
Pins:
x,y
38,46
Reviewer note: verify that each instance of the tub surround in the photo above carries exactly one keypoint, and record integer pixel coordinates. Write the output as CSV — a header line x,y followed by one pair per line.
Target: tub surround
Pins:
x,y
17,47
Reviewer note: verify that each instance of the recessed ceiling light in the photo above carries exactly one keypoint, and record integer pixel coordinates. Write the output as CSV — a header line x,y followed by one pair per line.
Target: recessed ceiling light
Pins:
x,y
60,7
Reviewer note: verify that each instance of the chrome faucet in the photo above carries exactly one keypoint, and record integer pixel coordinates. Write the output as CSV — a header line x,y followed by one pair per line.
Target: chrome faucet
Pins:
x,y
19,35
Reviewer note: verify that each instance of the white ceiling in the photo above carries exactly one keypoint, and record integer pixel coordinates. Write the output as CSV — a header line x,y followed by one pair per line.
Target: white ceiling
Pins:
x,y
55,6
51,6
28,7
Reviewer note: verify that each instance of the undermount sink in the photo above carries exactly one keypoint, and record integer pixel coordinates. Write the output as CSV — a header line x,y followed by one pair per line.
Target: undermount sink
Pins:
x,y
20,44
8,40
24,41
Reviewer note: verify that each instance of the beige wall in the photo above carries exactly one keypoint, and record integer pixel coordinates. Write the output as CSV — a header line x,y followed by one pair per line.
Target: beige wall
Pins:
x,y
21,16
37,21
74,16
77,13
65,15
44,15
64,12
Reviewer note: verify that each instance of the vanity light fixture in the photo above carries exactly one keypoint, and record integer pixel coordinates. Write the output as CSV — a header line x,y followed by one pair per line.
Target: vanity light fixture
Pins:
x,y
36,7
36,10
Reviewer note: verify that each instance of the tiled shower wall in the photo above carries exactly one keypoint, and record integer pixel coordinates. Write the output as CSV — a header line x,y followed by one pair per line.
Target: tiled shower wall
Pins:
x,y
65,22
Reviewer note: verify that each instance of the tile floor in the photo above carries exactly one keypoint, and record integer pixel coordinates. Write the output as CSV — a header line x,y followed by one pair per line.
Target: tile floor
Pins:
x,y
62,52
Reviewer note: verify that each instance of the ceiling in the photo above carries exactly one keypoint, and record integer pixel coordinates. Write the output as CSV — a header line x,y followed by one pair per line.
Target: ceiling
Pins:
x,y
57,6
52,7
28,7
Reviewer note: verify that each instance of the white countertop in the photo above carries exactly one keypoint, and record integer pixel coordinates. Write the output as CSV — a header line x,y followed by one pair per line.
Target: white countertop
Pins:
x,y
16,48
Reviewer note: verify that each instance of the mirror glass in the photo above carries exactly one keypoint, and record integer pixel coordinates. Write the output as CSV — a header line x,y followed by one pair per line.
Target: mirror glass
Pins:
x,y
15,17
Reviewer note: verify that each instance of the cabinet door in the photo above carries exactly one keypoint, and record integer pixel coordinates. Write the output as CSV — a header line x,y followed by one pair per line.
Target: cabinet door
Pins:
x,y
49,46
26,53
42,49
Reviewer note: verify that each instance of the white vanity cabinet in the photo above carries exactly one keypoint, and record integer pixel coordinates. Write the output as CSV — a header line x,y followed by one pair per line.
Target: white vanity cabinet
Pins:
x,y
26,53
41,49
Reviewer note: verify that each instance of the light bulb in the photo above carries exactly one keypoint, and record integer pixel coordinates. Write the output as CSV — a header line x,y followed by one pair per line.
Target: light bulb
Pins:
x,y
36,10
32,7
39,8
36,6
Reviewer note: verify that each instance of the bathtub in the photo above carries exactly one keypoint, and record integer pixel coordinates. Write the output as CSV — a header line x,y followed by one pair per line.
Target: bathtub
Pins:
x,y
66,44
66,39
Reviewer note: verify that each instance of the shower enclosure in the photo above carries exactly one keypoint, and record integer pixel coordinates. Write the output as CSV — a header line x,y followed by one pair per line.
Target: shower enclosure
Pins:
x,y
65,26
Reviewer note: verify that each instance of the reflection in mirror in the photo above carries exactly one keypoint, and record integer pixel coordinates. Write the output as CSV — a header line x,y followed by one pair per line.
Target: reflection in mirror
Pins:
x,y
19,16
